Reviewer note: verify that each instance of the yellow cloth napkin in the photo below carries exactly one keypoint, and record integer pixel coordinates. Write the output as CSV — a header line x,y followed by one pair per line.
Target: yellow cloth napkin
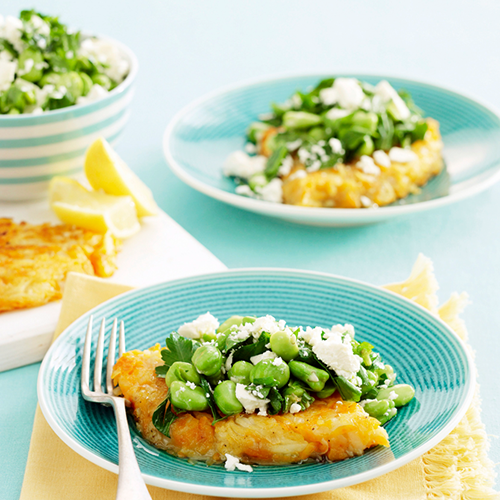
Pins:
x,y
458,468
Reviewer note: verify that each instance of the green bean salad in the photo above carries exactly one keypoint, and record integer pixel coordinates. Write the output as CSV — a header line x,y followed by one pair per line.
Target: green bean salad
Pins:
x,y
261,365
44,65
338,121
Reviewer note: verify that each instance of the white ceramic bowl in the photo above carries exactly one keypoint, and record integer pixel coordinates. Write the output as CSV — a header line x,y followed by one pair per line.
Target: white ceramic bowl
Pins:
x,y
35,148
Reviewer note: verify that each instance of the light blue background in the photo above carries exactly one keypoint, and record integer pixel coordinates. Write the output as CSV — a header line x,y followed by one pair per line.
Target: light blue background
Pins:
x,y
188,48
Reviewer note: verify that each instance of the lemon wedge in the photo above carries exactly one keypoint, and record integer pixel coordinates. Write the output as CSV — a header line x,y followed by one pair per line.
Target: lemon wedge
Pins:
x,y
107,171
73,204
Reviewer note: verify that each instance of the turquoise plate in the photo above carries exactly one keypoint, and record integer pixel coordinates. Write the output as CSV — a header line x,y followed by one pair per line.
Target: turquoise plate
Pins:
x,y
201,136
422,349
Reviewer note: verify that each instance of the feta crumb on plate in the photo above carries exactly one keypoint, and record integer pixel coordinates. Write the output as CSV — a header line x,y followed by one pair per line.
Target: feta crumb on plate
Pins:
x,y
233,463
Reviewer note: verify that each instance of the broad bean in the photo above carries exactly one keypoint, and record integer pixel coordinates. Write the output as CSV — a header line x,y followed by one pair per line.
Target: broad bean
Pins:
x,y
207,359
326,392
391,412
225,397
284,345
185,398
314,377
403,394
377,408
182,372
240,372
271,373
300,120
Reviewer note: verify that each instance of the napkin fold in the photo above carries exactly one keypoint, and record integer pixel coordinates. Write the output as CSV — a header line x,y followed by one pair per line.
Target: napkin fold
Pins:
x,y
457,468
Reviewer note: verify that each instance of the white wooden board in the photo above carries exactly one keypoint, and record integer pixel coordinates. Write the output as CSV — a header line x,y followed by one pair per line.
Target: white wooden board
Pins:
x,y
161,251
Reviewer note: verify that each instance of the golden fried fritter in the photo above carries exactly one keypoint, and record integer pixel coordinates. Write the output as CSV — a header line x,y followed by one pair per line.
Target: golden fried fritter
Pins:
x,y
347,186
329,428
35,259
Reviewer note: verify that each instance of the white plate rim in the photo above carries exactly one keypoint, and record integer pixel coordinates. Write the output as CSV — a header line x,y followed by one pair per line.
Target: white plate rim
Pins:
x,y
312,213
268,492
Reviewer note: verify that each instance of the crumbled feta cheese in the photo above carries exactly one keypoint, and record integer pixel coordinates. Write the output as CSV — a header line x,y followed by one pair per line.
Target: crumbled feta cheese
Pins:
x,y
386,93
382,158
350,95
367,165
239,164
328,96
233,463
295,408
400,155
338,356
272,192
40,26
346,328
304,155
264,355
204,324
249,401
311,335
365,201
245,190
7,73
336,146
292,146
298,174
96,92
393,395
250,148
11,28
286,166
278,362
336,114
345,91
314,166
191,385
28,66
313,378
116,65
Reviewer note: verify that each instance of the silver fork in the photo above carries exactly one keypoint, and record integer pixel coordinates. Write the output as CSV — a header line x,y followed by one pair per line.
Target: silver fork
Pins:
x,y
131,485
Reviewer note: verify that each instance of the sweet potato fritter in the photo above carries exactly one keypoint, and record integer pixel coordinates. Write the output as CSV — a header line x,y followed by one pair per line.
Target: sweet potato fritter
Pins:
x,y
35,259
329,428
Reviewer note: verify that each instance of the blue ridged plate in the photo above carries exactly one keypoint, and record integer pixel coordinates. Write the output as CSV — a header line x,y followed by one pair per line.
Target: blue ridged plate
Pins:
x,y
202,135
422,349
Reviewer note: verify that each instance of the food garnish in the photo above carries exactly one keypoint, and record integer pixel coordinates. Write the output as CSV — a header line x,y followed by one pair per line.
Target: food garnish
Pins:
x,y
268,383
44,65
107,171
94,210
343,144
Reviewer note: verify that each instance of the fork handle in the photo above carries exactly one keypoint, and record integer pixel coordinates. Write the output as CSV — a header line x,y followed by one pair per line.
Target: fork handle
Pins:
x,y
131,485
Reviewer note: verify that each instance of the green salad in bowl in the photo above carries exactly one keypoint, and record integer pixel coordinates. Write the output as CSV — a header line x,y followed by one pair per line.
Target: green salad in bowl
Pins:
x,y
44,65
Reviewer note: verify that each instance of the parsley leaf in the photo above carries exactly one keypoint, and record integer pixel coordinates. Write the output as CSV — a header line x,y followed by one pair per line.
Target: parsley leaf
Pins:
x,y
245,352
276,401
164,416
178,349
211,401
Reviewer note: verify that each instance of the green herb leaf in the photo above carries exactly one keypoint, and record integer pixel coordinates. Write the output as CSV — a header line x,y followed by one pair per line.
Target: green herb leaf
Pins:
x,y
245,352
216,413
274,162
178,349
164,415
276,402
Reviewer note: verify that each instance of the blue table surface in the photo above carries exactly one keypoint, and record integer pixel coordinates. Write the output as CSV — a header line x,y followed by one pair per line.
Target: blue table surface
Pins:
x,y
188,48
